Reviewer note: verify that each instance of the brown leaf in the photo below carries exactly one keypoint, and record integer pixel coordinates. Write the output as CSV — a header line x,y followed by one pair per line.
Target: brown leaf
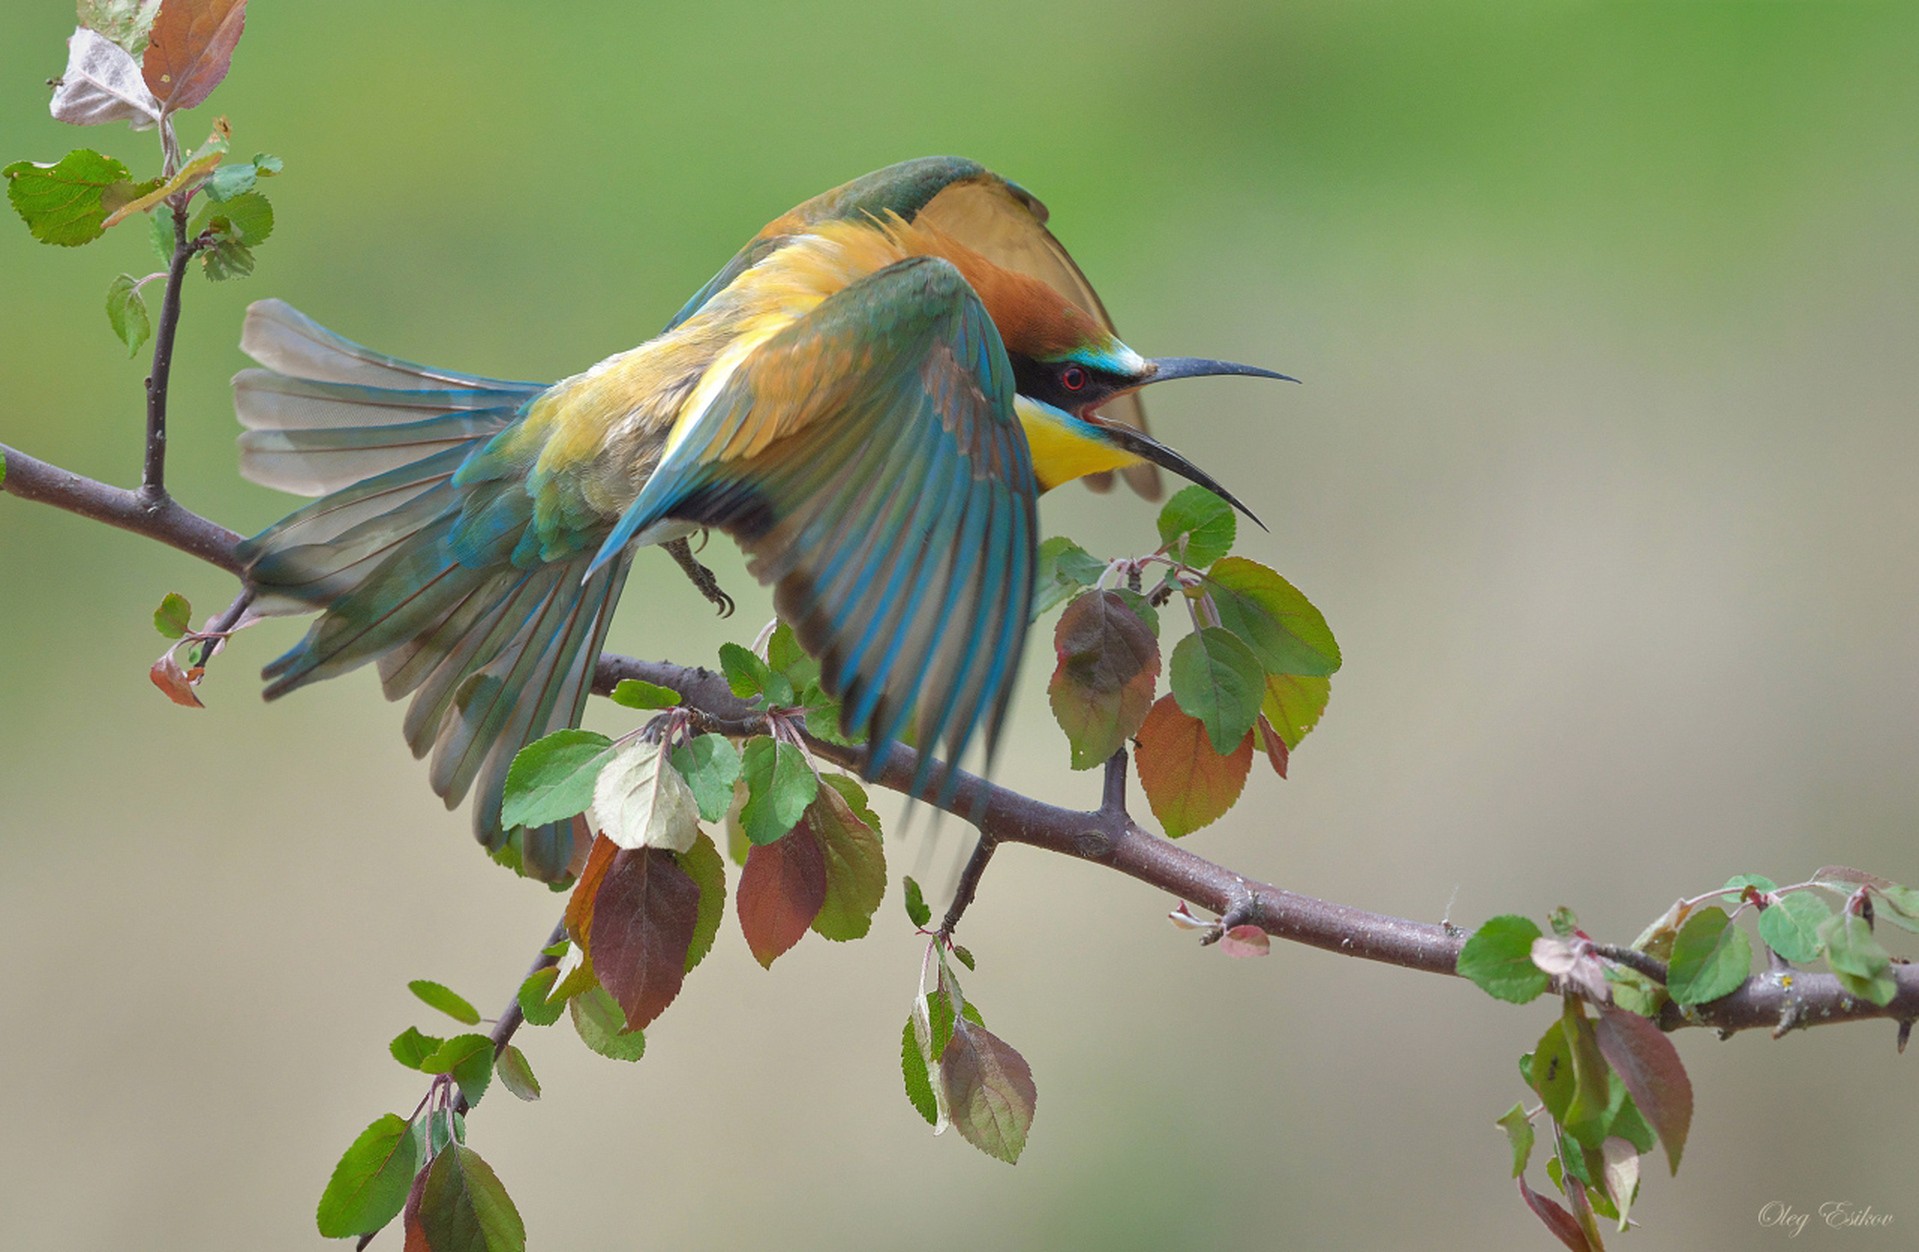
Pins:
x,y
988,1089
1188,784
1564,1226
780,893
579,905
1108,667
191,49
175,682
1270,742
641,929
1649,1066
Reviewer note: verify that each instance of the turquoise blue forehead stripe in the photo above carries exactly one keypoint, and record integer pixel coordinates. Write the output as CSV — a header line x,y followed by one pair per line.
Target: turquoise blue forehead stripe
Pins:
x,y
1111,357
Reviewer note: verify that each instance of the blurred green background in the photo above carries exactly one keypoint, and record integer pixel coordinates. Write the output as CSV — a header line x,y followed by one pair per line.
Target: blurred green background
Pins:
x,y
1603,472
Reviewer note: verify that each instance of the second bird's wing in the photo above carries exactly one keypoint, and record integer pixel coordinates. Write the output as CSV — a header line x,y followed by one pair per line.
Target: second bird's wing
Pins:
x,y
868,460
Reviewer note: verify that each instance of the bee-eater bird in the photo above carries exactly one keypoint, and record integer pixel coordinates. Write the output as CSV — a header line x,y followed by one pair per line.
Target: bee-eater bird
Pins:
x,y
869,398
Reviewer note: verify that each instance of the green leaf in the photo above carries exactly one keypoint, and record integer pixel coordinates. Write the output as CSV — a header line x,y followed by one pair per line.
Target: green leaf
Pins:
x,y
160,235
601,1022
411,1048
989,1091
516,1075
127,313
238,226
1498,959
917,911
703,865
1293,703
634,693
436,996
125,22
1563,921
1634,992
1710,957
1900,906
1862,966
919,1082
1064,570
711,765
1585,1117
1280,625
964,956
1551,1072
1197,526
1790,926
786,657
464,1207
855,866
534,1005
1519,1133
469,1059
780,783
369,1185
67,203
1216,679
237,179
174,616
227,258
1104,684
749,676
552,779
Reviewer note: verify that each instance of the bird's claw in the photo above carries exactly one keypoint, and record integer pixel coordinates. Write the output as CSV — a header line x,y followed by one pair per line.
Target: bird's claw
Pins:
x,y
702,577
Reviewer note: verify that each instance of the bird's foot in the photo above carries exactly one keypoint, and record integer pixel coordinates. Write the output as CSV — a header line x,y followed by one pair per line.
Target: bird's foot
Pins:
x,y
702,577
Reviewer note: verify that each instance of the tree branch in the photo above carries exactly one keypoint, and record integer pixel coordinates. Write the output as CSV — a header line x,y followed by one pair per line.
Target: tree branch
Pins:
x,y
1776,999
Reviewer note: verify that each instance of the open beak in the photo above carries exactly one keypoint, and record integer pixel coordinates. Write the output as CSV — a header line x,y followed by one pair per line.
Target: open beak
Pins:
x,y
1166,368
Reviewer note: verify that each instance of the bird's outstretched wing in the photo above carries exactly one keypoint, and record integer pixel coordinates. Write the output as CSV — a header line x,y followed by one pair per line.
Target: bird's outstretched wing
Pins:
x,y
1000,220
868,460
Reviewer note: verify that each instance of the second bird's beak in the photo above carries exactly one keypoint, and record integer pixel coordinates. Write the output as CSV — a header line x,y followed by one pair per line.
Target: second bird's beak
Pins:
x,y
1139,443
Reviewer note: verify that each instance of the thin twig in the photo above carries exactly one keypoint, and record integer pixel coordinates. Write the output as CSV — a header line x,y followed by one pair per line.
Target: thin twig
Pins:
x,y
510,1020
153,475
968,883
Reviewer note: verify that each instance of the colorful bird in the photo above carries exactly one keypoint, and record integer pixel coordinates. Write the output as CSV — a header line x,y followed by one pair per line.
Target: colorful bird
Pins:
x,y
869,398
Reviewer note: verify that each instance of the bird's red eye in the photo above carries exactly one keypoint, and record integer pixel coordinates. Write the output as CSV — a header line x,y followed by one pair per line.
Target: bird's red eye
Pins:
x,y
1073,378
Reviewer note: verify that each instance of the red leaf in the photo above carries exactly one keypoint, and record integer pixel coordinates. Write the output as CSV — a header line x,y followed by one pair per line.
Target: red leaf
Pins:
x,y
1188,784
989,1091
191,49
1649,1066
410,1216
579,905
1245,941
176,682
1564,1225
1272,745
1108,667
642,926
780,893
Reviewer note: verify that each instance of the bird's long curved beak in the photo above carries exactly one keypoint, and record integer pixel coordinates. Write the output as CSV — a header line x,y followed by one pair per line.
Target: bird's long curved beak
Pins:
x,y
1170,367
1165,369
1148,448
